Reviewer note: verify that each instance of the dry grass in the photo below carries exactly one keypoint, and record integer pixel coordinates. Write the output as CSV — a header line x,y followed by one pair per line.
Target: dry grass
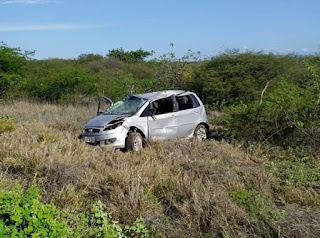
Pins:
x,y
182,188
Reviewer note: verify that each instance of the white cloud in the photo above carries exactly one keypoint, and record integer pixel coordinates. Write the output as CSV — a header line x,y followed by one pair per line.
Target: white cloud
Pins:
x,y
27,2
245,47
304,49
50,27
285,50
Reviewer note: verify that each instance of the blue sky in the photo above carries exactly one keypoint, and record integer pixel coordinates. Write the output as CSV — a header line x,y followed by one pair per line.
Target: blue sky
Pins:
x,y
66,28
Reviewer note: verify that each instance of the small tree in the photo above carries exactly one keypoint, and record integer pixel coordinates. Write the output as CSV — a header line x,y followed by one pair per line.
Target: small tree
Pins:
x,y
133,56
12,61
173,72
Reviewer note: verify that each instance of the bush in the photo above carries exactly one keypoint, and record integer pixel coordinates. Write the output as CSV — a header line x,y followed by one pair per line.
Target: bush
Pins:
x,y
23,215
232,77
7,124
12,61
257,204
285,112
98,223
60,82
271,118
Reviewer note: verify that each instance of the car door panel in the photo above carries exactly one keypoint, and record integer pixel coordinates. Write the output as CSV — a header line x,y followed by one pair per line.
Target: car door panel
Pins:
x,y
186,121
163,127
187,116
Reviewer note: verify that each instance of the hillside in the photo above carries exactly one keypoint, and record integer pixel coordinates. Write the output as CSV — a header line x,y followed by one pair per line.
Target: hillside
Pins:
x,y
181,188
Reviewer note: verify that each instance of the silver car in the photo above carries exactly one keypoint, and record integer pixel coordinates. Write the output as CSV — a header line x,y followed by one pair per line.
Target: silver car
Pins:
x,y
161,115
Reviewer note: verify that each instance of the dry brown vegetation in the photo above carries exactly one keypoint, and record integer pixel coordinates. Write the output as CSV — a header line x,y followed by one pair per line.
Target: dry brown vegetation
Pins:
x,y
182,188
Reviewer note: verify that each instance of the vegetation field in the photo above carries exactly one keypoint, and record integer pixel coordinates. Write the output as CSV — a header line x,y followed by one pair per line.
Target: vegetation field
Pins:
x,y
259,178
180,188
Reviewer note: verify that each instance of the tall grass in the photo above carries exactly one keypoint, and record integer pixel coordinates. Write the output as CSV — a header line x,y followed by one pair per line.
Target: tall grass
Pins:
x,y
182,188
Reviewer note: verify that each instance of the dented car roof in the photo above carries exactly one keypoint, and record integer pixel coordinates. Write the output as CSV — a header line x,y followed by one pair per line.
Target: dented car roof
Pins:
x,y
161,94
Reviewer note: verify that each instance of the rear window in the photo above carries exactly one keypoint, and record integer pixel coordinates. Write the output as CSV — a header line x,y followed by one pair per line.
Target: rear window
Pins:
x,y
186,102
195,101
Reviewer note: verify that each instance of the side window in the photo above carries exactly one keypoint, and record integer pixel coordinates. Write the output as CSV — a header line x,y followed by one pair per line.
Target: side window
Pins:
x,y
185,102
162,106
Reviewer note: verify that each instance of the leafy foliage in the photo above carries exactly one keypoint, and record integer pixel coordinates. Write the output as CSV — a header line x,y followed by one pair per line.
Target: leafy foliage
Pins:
x,y
172,72
98,223
24,215
133,56
12,59
258,205
282,112
86,58
11,62
266,97
234,77
262,97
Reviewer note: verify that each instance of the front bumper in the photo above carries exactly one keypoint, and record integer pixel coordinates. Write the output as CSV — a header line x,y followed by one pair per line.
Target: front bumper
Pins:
x,y
114,138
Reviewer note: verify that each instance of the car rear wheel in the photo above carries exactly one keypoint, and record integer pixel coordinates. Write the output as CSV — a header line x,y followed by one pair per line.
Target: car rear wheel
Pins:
x,y
200,133
134,141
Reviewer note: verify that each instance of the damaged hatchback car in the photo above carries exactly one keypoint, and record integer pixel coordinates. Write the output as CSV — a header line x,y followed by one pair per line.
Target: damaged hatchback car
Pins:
x,y
161,115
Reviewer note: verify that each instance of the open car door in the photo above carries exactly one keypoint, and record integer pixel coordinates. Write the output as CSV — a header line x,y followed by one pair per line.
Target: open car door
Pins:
x,y
104,104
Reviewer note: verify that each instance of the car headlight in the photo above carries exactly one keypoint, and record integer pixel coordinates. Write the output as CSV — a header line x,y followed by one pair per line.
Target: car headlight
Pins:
x,y
114,124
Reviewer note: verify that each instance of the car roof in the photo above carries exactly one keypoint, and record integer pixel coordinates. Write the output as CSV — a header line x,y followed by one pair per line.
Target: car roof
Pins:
x,y
160,94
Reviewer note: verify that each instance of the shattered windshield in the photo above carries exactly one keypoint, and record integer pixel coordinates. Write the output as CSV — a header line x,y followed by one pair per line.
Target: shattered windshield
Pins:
x,y
128,105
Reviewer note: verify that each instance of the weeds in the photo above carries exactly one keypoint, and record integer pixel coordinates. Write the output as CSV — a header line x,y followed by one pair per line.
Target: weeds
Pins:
x,y
7,124
180,188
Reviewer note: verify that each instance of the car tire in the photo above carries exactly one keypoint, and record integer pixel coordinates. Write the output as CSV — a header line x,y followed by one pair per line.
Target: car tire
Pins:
x,y
200,133
134,142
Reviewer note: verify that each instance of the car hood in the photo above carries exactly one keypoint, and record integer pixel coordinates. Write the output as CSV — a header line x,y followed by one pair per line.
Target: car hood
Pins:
x,y
103,119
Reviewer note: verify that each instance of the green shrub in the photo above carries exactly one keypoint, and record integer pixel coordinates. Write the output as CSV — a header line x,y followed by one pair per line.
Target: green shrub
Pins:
x,y
301,174
259,206
23,215
7,124
61,83
98,223
233,77
283,117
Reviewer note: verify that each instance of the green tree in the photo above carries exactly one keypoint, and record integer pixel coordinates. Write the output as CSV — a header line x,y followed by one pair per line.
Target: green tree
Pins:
x,y
173,72
12,61
133,56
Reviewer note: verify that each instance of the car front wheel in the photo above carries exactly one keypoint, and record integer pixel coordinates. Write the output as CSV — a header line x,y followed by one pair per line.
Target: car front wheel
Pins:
x,y
134,141
200,133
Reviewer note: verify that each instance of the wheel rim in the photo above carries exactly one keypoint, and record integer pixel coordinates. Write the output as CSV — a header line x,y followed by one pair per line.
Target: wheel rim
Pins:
x,y
201,133
137,144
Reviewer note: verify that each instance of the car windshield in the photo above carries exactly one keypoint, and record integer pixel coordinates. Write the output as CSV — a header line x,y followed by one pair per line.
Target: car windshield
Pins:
x,y
128,106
